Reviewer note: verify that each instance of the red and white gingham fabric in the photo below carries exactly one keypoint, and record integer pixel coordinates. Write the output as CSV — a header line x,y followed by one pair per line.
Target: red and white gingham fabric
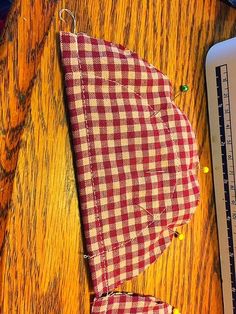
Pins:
x,y
135,154
124,303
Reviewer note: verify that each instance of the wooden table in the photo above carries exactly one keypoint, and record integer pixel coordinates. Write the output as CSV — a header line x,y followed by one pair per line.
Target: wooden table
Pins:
x,y
42,264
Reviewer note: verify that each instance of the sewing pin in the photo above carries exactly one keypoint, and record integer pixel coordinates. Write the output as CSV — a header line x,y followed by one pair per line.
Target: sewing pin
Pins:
x,y
176,311
154,171
183,89
179,236
205,169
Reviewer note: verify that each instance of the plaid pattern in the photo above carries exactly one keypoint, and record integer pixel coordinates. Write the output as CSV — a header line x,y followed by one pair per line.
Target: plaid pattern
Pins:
x,y
135,153
124,303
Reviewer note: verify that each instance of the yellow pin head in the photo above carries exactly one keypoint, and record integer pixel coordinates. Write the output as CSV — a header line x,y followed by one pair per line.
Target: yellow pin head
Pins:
x,y
181,236
205,169
176,311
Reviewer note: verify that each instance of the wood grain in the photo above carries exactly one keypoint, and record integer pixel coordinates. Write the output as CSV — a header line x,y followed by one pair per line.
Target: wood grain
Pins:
x,y
42,264
20,49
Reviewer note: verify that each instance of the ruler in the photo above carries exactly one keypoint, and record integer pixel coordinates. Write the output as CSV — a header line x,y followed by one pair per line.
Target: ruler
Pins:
x,y
221,92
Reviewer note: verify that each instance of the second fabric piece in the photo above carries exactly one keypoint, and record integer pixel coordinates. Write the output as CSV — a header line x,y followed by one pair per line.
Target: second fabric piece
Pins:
x,y
127,303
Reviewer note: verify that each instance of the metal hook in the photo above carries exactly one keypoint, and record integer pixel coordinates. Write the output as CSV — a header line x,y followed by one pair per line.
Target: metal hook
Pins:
x,y
71,15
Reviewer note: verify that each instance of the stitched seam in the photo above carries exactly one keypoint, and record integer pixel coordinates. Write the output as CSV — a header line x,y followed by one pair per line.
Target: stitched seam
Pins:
x,y
104,266
138,234
154,113
118,83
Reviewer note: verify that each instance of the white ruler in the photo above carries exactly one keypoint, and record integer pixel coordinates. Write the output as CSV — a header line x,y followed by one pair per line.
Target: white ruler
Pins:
x,y
221,91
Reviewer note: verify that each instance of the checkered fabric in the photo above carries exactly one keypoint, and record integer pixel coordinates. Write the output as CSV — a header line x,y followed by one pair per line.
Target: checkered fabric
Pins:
x,y
136,157
124,303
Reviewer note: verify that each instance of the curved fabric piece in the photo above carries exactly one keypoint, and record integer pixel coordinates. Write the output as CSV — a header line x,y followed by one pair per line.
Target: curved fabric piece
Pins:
x,y
125,303
136,157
